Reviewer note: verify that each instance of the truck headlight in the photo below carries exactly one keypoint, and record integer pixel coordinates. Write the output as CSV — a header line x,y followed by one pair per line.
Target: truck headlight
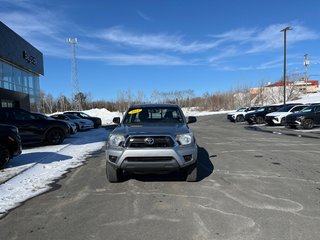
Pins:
x,y
116,140
184,139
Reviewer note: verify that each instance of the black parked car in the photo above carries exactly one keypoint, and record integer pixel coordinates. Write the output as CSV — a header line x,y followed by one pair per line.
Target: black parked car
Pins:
x,y
72,127
34,129
306,118
10,143
258,116
95,120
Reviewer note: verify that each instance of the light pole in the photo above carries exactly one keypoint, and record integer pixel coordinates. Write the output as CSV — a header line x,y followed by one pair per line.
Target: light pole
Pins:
x,y
285,61
306,64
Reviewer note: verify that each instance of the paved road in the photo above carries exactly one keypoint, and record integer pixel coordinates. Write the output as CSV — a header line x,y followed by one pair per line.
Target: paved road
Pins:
x,y
253,185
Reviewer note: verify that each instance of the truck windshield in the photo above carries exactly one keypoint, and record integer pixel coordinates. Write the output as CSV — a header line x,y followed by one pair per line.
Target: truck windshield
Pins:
x,y
153,115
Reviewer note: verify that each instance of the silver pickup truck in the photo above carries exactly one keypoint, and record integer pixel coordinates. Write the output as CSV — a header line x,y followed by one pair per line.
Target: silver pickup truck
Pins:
x,y
152,138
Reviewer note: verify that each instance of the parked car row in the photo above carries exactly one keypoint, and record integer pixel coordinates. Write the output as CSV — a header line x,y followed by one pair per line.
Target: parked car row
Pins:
x,y
21,127
238,115
291,115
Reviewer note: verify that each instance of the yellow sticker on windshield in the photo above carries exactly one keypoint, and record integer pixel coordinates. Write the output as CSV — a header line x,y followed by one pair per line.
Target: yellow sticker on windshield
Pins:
x,y
135,111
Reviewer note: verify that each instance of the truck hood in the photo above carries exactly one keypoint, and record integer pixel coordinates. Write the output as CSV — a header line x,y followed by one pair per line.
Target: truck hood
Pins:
x,y
151,129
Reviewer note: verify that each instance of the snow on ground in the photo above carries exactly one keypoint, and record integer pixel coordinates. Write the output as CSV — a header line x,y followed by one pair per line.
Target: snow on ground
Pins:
x,y
309,98
31,173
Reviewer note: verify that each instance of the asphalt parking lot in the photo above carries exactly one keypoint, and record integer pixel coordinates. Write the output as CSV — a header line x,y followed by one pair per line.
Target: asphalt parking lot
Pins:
x,y
254,183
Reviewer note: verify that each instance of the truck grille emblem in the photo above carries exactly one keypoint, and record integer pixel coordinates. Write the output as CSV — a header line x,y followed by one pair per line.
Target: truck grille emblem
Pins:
x,y
149,141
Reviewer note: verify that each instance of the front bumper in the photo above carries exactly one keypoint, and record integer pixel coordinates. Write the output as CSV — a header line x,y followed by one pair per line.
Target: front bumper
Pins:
x,y
250,119
231,117
297,123
86,126
14,145
272,120
152,159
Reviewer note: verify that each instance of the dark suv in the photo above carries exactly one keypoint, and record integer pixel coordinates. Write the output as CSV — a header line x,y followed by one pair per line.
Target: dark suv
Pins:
x,y
306,118
258,116
10,143
34,129
152,138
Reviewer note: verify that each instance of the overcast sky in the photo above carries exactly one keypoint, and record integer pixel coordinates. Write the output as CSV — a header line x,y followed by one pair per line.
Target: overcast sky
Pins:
x,y
166,45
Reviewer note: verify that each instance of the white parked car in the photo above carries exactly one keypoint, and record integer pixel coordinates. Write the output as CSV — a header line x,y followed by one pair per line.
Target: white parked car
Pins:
x,y
279,117
238,115
82,124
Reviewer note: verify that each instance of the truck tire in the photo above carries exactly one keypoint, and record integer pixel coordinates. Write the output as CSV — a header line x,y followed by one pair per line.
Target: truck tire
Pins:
x,y
113,174
192,173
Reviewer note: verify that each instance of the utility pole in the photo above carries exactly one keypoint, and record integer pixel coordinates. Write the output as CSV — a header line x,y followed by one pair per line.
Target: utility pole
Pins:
x,y
285,61
306,64
72,42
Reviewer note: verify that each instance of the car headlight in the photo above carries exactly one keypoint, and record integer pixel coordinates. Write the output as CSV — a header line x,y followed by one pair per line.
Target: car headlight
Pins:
x,y
301,118
15,129
116,140
184,139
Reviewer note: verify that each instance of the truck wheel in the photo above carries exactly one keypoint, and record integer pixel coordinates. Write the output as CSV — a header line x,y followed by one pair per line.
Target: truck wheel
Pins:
x,y
113,174
191,173
54,136
308,124
4,156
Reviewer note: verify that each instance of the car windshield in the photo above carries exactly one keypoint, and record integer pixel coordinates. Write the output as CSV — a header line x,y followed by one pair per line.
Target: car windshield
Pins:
x,y
153,114
308,109
72,116
241,110
260,109
84,115
40,115
285,108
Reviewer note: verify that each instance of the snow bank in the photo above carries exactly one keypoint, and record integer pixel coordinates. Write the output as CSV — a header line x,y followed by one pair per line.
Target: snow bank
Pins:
x,y
309,98
105,115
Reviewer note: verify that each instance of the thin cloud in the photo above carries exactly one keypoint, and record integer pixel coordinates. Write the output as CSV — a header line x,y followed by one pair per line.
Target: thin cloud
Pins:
x,y
271,37
156,41
143,59
144,16
271,64
241,34
231,51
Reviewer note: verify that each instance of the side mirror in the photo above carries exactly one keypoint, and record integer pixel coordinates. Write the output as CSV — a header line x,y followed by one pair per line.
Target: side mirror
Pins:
x,y
192,119
116,120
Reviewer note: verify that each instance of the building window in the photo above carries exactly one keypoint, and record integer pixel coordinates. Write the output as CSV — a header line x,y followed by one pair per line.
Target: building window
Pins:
x,y
7,103
15,79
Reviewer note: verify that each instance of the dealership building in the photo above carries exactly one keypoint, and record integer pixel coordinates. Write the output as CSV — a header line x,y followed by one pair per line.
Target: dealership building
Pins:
x,y
21,65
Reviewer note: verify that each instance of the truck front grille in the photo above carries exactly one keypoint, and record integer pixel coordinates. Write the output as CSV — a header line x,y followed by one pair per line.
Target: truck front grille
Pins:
x,y
148,159
150,142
